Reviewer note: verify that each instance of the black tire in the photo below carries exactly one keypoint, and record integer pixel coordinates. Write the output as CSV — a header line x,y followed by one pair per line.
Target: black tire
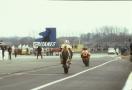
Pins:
x,y
130,58
65,69
86,62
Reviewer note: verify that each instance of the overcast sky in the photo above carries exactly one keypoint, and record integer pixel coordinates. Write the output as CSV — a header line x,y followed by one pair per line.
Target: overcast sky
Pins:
x,y
71,18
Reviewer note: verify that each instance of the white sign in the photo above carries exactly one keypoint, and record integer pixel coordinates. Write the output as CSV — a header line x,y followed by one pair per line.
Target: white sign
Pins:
x,y
44,44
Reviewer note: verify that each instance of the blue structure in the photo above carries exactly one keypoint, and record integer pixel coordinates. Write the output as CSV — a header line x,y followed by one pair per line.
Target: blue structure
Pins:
x,y
48,38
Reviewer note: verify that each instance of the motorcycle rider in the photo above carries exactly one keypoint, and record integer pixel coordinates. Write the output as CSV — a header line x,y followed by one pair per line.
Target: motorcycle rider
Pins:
x,y
85,55
67,45
66,55
70,55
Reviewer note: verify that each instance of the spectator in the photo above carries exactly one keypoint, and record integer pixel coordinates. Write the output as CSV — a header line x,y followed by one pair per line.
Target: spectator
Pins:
x,y
15,52
131,52
10,51
39,52
3,52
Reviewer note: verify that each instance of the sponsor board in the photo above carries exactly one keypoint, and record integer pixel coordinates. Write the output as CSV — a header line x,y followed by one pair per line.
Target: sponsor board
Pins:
x,y
44,44
48,38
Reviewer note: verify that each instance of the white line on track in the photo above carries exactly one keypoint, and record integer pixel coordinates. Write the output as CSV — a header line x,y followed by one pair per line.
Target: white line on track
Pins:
x,y
128,85
69,77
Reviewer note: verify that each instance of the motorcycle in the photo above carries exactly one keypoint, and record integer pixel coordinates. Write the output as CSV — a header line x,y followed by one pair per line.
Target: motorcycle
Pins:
x,y
66,67
85,59
130,58
65,63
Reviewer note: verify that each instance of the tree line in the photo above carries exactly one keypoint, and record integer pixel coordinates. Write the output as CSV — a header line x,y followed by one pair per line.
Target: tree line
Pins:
x,y
108,36
103,37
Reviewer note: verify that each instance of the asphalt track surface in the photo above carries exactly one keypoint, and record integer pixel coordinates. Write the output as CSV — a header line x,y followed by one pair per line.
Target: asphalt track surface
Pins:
x,y
104,73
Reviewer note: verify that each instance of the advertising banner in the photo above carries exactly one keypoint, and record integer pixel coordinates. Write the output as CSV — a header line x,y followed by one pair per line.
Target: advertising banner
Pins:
x,y
48,38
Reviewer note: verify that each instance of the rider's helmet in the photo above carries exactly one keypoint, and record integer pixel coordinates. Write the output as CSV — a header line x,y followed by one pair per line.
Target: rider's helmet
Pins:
x,y
84,48
66,42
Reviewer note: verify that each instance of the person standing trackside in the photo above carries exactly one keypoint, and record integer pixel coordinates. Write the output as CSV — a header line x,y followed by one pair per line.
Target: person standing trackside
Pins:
x,y
131,52
3,52
39,52
10,51
15,52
